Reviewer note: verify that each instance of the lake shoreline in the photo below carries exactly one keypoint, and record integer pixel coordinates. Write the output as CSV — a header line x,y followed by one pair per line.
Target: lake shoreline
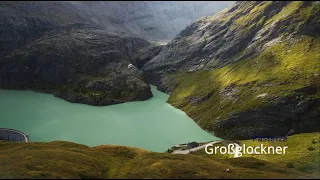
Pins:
x,y
153,124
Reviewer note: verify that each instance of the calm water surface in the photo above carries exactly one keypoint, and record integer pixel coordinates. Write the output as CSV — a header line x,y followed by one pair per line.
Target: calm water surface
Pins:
x,y
153,124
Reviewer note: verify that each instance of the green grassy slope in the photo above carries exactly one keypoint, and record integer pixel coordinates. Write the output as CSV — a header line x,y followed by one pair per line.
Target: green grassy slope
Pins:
x,y
69,160
287,64
277,71
302,153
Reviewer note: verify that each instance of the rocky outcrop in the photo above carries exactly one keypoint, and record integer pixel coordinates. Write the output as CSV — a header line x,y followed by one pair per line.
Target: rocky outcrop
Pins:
x,y
81,64
287,116
145,54
16,32
222,70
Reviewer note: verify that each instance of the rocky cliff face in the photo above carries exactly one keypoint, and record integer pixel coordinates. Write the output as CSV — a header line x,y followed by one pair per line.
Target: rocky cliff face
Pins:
x,y
252,69
151,20
145,54
81,51
81,64
22,22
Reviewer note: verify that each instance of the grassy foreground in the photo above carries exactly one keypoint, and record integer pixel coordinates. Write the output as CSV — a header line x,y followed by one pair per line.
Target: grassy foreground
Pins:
x,y
61,159
303,153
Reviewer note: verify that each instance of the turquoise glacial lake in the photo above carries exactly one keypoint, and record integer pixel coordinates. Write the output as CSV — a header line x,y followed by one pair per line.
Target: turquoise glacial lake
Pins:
x,y
153,124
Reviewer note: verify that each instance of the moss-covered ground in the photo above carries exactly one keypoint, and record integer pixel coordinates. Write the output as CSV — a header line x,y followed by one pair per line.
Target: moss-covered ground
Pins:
x,y
302,154
278,72
69,160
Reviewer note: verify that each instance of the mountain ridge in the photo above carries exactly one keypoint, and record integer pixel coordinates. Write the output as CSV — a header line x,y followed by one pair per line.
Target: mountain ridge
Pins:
x,y
247,70
23,21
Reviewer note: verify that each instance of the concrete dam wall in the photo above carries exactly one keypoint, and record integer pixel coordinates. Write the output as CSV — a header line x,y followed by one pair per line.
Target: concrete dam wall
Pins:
x,y
13,135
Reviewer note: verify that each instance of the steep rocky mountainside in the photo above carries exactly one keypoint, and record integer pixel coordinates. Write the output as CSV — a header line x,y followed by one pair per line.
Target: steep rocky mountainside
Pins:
x,y
81,64
160,20
80,51
145,54
22,22
252,69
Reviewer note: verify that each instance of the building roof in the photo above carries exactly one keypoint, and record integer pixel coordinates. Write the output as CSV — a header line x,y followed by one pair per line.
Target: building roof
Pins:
x,y
193,144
